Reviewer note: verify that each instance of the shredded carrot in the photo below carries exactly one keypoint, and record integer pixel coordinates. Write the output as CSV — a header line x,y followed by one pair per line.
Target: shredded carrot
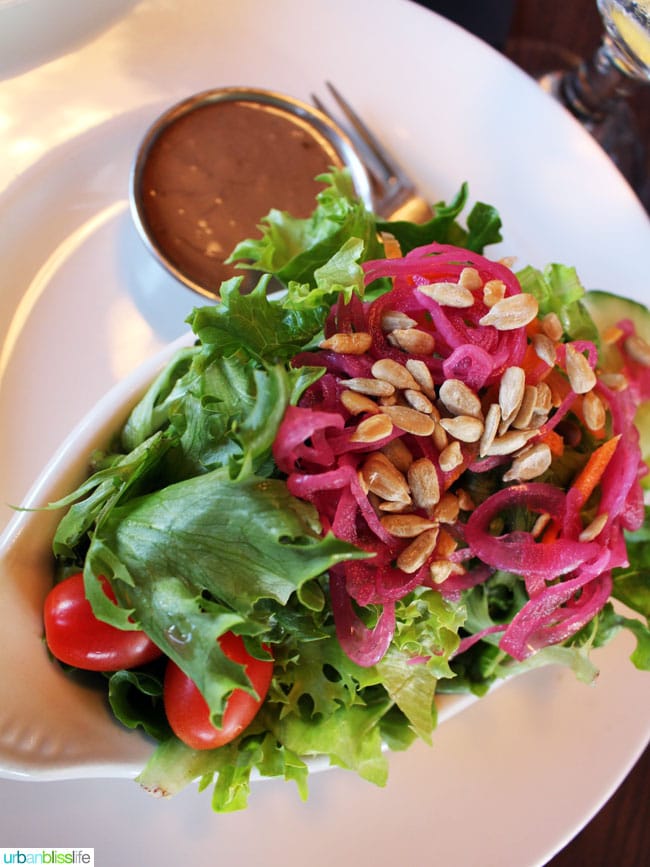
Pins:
x,y
577,408
551,532
535,368
554,441
533,327
392,249
558,384
593,470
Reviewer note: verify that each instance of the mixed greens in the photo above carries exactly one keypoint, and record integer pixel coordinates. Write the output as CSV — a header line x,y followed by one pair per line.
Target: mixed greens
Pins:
x,y
241,496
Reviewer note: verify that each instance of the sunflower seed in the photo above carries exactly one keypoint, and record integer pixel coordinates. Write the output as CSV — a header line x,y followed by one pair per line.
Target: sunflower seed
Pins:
x,y
395,507
398,454
446,542
530,464
509,442
493,292
448,294
459,399
406,526
418,401
470,279
413,340
465,502
422,375
355,343
423,481
544,348
372,429
512,312
450,457
581,377
440,438
447,510
511,394
384,479
392,319
638,349
593,410
595,528
394,373
552,327
356,403
415,555
543,397
527,408
492,421
440,570
465,428
367,385
410,420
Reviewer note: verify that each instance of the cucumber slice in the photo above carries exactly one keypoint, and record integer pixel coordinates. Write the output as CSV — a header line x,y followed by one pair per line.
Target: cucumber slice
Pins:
x,y
606,310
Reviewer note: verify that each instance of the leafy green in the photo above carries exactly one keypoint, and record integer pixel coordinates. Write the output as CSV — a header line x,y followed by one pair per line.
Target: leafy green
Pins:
x,y
293,248
135,698
558,290
483,226
631,587
313,256
186,594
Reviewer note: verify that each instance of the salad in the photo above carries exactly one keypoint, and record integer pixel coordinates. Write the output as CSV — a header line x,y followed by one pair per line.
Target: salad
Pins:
x,y
413,471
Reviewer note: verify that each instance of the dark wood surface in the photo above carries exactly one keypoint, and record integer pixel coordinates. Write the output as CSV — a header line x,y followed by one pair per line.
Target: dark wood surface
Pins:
x,y
619,835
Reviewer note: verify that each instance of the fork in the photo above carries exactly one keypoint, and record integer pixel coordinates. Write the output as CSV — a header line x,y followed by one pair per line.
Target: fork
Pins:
x,y
394,193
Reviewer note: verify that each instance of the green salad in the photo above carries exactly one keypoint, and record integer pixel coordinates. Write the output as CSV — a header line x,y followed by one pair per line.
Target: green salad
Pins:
x,y
412,471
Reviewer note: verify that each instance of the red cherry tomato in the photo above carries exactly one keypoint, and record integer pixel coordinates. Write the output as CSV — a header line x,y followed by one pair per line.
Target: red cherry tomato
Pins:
x,y
188,712
75,636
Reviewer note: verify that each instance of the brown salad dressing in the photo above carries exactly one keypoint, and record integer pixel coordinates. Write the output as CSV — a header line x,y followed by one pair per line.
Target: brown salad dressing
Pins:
x,y
213,172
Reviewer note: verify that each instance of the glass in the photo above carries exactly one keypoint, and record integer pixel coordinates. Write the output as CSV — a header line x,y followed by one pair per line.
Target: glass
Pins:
x,y
596,90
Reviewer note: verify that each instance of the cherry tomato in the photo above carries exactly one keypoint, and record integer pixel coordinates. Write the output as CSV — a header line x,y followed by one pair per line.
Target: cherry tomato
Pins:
x,y
188,712
75,636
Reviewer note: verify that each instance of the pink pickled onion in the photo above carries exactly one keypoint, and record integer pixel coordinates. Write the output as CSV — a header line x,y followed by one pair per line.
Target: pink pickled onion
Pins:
x,y
567,579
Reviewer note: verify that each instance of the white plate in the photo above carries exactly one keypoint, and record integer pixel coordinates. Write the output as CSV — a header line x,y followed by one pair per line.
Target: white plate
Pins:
x,y
82,305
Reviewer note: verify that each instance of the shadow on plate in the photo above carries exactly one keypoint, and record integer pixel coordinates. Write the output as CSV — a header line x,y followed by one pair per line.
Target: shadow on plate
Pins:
x,y
36,31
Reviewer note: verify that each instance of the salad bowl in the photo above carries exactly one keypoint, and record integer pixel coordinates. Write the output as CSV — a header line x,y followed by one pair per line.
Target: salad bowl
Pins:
x,y
52,726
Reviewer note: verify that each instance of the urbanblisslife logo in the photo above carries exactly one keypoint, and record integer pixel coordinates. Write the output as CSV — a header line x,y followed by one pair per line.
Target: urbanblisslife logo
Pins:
x,y
85,857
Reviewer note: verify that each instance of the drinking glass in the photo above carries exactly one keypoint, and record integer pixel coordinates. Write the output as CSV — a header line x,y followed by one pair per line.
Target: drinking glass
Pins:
x,y
597,89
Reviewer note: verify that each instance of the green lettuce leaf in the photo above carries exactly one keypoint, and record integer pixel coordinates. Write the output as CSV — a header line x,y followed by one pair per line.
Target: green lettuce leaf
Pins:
x,y
558,290
293,248
135,698
191,561
483,226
